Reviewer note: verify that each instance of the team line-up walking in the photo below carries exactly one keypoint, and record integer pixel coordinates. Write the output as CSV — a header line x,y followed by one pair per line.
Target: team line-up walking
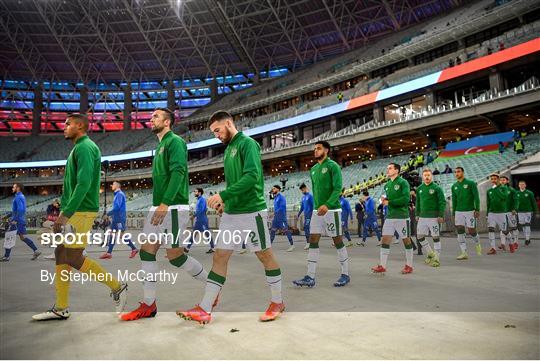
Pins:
x,y
242,206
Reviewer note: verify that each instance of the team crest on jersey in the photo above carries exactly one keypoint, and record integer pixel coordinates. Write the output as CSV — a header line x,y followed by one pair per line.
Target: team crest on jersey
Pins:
x,y
324,170
431,191
396,187
233,152
466,186
161,150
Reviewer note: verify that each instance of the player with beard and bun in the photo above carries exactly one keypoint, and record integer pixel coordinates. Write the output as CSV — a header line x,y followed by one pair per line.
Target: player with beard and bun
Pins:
x,y
327,186
168,217
244,213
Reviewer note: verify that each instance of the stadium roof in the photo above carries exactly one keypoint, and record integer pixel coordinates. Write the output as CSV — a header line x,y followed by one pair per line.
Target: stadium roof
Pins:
x,y
95,41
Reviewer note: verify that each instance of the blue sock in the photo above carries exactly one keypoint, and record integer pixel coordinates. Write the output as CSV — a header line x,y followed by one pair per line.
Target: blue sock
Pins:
x,y
7,252
348,235
272,235
30,244
211,243
244,245
289,237
110,245
130,244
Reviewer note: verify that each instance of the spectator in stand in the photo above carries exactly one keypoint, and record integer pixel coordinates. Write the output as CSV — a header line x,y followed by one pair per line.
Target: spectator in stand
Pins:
x,y
501,147
447,170
436,172
53,210
429,158
519,146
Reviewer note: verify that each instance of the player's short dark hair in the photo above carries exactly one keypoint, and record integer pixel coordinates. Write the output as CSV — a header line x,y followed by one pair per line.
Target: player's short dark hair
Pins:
x,y
169,114
276,186
116,181
522,181
463,170
19,185
79,118
427,170
219,116
396,166
324,143
303,185
505,177
366,193
200,190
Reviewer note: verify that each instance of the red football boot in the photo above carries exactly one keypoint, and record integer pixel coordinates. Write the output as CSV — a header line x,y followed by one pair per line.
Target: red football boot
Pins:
x,y
196,314
378,269
406,270
492,251
143,311
273,311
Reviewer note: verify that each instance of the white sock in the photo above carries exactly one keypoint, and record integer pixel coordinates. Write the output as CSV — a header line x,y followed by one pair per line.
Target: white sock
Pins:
x,y
150,269
461,240
409,256
503,238
515,234
273,278
527,232
437,245
425,244
384,256
491,236
195,269
214,284
343,259
312,258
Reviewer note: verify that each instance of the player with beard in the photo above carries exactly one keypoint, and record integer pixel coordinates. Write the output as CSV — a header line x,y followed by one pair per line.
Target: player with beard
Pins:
x,y
168,217
244,212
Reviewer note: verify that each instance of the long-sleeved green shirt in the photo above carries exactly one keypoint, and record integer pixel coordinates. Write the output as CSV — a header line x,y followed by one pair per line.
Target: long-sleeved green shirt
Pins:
x,y
525,201
398,194
497,199
511,201
244,176
169,171
82,178
327,184
465,197
430,201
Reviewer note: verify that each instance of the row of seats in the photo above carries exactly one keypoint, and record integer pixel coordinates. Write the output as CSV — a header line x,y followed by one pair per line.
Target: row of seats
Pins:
x,y
48,147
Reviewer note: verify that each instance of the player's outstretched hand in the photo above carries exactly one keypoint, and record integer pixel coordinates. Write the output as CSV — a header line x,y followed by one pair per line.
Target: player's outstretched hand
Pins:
x,y
159,214
215,201
322,210
440,220
60,221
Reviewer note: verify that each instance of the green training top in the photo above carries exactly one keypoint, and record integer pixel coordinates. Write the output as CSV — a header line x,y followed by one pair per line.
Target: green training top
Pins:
x,y
497,199
327,183
465,197
430,201
82,178
525,201
169,171
398,193
244,176
511,201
